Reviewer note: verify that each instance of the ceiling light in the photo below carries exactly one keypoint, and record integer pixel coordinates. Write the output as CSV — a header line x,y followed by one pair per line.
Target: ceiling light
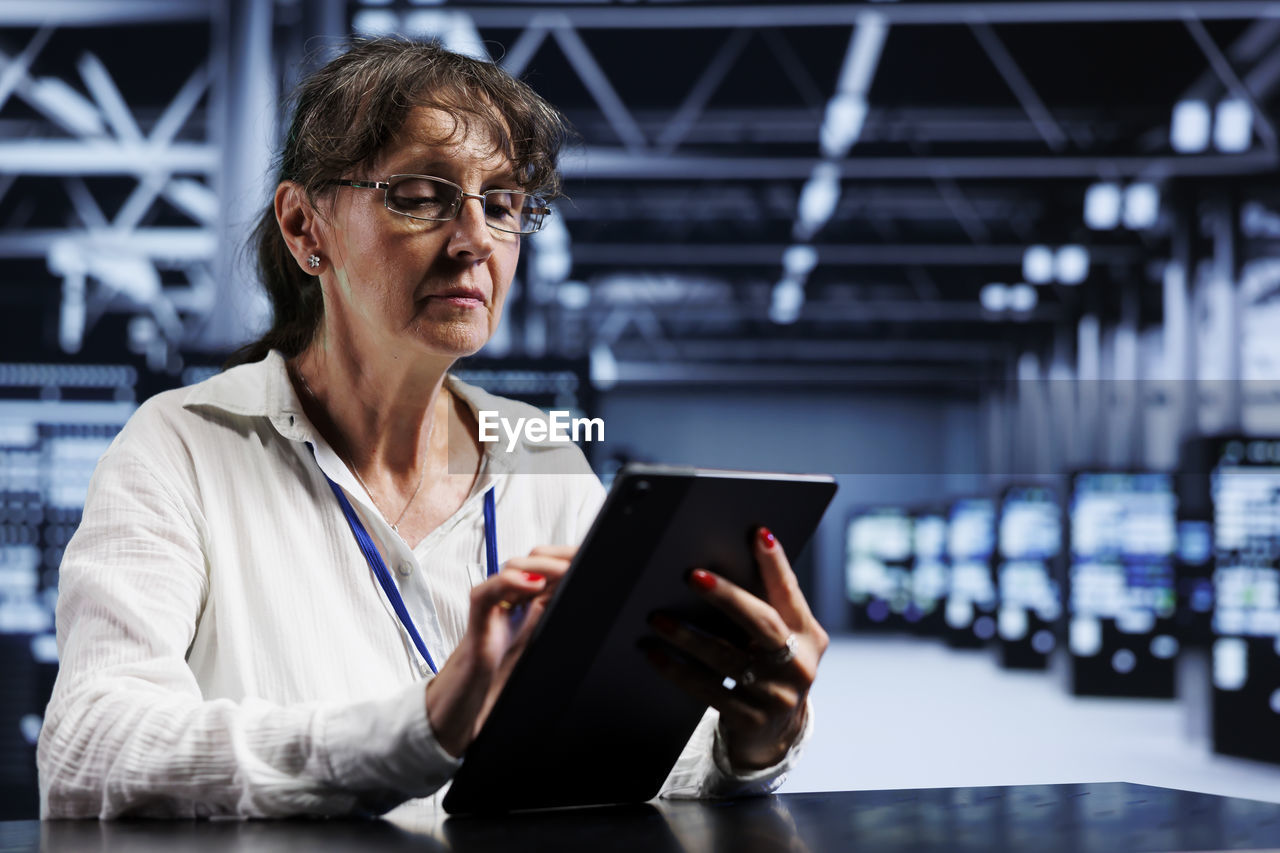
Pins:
x,y
994,297
1189,131
846,113
799,260
788,297
1102,206
1022,297
1071,265
1233,126
818,198
1141,206
1037,264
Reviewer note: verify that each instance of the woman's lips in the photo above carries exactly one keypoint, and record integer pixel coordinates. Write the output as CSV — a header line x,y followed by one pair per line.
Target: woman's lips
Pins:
x,y
460,298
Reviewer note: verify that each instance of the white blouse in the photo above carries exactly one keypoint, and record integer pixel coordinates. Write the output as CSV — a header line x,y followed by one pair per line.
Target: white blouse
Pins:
x,y
224,647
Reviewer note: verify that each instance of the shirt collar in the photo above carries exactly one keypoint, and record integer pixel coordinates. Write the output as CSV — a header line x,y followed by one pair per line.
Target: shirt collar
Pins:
x,y
263,389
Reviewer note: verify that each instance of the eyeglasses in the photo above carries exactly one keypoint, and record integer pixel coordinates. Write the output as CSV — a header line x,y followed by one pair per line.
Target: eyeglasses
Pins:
x,y
437,200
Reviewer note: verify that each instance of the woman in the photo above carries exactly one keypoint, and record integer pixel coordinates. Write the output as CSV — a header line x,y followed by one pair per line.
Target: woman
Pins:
x,y
274,563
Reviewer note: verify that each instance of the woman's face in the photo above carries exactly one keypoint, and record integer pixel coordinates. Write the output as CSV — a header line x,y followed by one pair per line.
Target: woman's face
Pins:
x,y
405,288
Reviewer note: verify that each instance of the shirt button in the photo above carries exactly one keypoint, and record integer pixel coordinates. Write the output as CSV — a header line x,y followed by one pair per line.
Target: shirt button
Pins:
x,y
423,669
405,569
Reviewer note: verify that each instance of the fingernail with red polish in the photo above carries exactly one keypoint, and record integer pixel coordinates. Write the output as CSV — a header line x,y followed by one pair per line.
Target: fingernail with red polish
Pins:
x,y
767,539
703,579
533,577
662,623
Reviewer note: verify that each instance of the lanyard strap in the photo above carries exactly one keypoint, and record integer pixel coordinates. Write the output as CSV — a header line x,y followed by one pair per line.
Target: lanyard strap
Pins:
x,y
490,534
371,555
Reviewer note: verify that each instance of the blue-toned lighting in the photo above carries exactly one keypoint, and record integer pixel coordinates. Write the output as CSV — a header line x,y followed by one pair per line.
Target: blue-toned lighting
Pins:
x,y
1022,298
1189,130
1071,264
573,295
1230,663
1141,206
799,260
456,29
818,199
1233,126
994,297
375,22
1123,661
1037,264
788,297
846,113
1102,206
603,367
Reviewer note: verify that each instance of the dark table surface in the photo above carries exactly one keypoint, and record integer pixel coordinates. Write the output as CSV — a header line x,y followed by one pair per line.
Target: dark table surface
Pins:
x,y
1103,817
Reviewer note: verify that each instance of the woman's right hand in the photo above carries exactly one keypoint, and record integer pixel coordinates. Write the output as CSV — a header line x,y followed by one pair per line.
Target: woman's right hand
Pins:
x,y
460,697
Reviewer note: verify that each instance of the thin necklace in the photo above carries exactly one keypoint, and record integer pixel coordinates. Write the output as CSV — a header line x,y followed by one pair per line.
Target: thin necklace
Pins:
x,y
422,475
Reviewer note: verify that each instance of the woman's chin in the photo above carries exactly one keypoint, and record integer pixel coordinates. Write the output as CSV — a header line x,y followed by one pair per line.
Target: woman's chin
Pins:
x,y
455,340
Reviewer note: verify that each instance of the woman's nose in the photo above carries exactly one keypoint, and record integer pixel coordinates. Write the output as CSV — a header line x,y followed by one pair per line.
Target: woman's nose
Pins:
x,y
472,234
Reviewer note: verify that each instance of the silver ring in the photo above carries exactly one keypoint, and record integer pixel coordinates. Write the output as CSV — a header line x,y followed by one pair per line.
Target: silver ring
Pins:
x,y
784,655
746,679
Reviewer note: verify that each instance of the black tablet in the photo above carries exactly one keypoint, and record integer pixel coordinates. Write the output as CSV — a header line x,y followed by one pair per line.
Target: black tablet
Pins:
x,y
584,719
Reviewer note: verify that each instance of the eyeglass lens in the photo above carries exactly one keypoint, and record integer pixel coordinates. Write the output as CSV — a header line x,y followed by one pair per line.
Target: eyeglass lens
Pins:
x,y
432,199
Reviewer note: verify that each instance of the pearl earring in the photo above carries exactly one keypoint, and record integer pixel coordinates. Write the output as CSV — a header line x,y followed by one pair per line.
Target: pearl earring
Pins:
x,y
314,262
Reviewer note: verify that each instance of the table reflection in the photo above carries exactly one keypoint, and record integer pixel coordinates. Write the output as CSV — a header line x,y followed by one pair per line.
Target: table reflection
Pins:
x,y
1085,818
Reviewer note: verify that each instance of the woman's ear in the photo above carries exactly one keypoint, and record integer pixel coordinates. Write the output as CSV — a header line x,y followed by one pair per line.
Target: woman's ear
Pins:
x,y
300,226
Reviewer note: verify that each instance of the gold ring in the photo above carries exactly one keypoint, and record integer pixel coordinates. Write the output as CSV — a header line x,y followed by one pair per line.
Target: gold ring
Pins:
x,y
505,605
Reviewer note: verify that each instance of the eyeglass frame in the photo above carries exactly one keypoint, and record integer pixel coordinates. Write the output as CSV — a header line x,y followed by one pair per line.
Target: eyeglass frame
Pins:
x,y
463,195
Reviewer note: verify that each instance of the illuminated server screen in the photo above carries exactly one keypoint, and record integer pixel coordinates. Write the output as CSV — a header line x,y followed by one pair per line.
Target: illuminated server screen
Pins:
x,y
55,421
930,572
1195,581
878,568
1122,596
1245,486
1028,545
971,599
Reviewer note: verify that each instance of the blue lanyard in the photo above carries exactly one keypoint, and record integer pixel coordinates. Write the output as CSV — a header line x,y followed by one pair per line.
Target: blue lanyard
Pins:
x,y
370,551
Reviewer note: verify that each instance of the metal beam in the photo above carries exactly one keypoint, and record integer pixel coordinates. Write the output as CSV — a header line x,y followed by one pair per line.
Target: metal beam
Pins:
x,y
784,125
243,97
899,378
1019,85
591,204
107,95
160,244
1250,48
517,59
667,16
598,162
694,103
103,157
597,82
1231,81
752,254
98,13
16,70
840,350
907,311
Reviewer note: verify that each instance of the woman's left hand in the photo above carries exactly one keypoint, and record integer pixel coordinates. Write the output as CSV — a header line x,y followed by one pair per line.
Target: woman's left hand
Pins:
x,y
764,712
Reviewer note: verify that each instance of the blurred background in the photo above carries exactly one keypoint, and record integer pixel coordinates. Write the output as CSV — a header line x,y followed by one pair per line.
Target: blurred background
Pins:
x,y
1005,268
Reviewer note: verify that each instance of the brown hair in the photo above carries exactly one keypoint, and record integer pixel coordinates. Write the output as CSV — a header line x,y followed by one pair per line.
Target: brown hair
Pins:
x,y
344,116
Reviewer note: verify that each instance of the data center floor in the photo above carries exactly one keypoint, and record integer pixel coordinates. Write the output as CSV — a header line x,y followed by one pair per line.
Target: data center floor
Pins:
x,y
912,713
